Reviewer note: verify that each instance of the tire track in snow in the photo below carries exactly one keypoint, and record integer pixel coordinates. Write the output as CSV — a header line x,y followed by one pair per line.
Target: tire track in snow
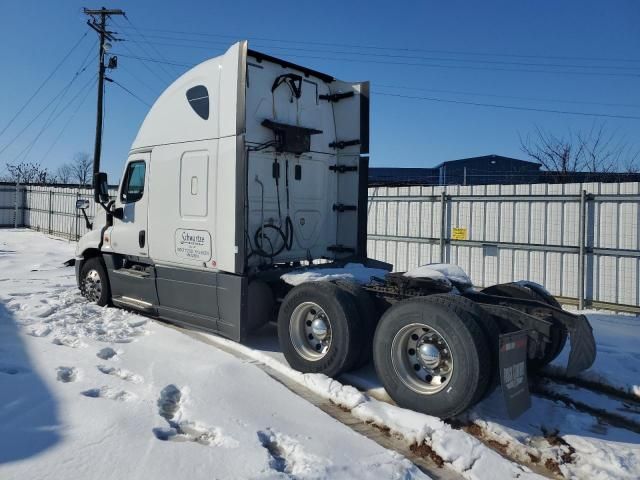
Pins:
x,y
595,386
613,409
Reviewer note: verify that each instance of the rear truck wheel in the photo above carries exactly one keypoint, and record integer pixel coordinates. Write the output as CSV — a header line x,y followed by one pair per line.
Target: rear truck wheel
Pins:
x,y
318,329
432,356
491,333
94,283
365,303
558,331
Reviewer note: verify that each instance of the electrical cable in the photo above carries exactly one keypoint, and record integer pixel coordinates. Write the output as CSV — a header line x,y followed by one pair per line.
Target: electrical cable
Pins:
x,y
130,92
152,46
635,74
53,117
381,47
153,60
288,224
137,78
46,80
289,48
510,107
144,61
73,114
46,107
512,97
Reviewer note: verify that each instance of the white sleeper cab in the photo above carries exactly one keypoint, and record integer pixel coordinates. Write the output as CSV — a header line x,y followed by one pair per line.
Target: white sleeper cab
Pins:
x,y
244,200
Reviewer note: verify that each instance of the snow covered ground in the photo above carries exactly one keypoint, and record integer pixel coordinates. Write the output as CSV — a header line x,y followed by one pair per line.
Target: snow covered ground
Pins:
x,y
90,392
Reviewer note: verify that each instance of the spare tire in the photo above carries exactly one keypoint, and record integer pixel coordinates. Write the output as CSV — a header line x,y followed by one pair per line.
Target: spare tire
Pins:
x,y
431,355
319,329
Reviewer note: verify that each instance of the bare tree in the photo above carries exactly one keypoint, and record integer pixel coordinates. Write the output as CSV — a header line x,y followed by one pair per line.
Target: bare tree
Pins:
x,y
596,150
631,162
82,167
603,150
64,174
27,172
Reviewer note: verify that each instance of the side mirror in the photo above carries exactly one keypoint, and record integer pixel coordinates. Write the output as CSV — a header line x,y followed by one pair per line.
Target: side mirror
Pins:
x,y
82,204
101,187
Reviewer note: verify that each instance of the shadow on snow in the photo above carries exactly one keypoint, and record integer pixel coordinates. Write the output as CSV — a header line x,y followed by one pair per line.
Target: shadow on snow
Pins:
x,y
29,422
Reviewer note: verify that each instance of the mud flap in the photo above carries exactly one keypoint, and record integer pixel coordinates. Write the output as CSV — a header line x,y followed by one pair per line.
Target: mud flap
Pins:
x,y
513,372
583,345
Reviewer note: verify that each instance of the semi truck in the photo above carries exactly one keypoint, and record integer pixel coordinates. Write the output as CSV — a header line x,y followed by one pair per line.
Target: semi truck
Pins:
x,y
249,168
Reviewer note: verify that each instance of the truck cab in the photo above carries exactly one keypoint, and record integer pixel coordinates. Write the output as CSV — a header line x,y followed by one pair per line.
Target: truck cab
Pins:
x,y
245,164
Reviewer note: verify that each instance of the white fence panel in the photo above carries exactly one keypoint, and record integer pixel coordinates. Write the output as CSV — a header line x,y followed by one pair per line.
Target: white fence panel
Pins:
x,y
507,232
503,233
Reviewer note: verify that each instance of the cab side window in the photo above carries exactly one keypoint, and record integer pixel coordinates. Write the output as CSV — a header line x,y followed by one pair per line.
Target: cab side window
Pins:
x,y
133,183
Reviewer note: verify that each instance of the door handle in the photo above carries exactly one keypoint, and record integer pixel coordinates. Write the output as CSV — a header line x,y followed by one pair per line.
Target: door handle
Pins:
x,y
141,238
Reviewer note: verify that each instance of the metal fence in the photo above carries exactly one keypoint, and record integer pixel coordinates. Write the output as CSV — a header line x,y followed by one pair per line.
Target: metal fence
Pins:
x,y
579,240
582,241
49,209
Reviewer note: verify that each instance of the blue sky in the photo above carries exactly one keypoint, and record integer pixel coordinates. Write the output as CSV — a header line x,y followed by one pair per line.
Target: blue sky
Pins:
x,y
594,45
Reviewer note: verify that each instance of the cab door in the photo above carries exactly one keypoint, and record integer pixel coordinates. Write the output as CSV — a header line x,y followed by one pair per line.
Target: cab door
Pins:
x,y
129,233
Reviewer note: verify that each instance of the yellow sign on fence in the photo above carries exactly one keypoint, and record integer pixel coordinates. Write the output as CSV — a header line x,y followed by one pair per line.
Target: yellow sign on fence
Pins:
x,y
459,234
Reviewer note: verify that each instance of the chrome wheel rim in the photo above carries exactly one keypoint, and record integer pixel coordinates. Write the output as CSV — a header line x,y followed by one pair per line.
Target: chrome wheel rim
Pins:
x,y
310,331
92,285
422,359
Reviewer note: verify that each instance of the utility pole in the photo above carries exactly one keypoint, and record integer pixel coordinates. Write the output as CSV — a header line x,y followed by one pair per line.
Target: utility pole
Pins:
x,y
98,22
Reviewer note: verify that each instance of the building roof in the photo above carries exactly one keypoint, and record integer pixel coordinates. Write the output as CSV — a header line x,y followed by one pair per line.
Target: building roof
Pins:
x,y
489,158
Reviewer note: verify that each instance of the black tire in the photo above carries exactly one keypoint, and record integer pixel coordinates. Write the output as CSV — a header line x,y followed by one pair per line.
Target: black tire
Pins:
x,y
369,317
94,268
558,331
462,334
491,333
340,308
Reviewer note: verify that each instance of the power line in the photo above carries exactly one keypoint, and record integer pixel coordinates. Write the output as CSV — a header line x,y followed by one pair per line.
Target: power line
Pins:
x,y
152,46
73,114
51,119
138,79
509,107
131,93
144,61
513,97
166,74
423,65
154,60
469,67
389,55
46,107
46,80
403,49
